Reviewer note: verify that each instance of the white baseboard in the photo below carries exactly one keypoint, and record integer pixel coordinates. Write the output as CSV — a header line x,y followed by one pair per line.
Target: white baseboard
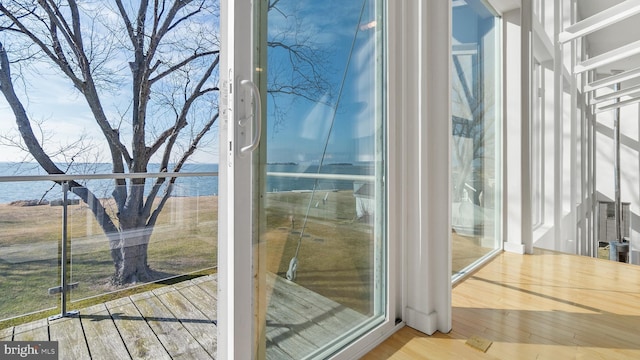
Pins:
x,y
514,248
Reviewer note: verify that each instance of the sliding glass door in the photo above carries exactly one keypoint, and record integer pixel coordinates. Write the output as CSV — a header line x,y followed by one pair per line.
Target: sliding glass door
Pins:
x,y
303,111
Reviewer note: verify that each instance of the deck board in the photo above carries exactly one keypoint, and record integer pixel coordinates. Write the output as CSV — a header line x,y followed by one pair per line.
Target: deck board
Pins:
x,y
287,317
274,352
101,334
201,300
210,287
287,340
169,330
69,335
6,334
140,340
290,291
199,326
300,321
327,314
34,331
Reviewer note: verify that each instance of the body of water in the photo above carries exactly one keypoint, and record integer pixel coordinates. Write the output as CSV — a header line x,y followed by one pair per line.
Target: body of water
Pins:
x,y
48,190
187,186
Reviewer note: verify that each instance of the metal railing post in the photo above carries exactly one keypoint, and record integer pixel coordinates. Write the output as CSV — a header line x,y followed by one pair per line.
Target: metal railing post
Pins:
x,y
63,261
64,287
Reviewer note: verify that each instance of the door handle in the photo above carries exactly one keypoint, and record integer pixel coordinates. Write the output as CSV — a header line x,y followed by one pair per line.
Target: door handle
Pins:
x,y
257,117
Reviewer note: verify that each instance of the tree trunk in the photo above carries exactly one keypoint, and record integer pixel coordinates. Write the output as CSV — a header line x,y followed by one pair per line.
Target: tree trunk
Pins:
x,y
131,261
131,257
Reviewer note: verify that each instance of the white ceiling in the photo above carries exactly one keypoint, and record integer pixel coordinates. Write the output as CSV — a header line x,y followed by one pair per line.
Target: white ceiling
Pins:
x,y
612,37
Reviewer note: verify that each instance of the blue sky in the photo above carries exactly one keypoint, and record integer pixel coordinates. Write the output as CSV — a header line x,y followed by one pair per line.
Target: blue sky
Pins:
x,y
331,25
50,98
328,25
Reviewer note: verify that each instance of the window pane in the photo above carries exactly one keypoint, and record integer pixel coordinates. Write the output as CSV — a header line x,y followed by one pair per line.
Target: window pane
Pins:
x,y
476,136
322,217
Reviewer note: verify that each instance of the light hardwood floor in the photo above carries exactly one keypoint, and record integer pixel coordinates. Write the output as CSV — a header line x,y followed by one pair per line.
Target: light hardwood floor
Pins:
x,y
542,306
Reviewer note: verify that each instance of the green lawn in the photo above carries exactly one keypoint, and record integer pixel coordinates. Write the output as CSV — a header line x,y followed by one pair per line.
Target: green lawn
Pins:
x,y
336,250
184,241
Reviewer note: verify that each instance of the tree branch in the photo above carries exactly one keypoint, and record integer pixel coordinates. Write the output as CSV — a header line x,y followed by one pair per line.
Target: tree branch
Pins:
x,y
194,144
57,47
181,64
172,133
183,159
186,17
159,33
64,66
30,140
56,16
75,22
127,22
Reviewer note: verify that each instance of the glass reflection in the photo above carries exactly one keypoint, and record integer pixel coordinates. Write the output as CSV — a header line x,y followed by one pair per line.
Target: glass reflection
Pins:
x,y
322,217
475,134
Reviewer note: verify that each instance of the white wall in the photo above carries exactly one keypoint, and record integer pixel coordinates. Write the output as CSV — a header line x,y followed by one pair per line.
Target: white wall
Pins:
x,y
515,197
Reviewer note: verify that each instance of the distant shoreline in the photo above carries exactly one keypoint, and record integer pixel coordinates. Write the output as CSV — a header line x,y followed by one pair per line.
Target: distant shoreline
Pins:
x,y
26,203
185,186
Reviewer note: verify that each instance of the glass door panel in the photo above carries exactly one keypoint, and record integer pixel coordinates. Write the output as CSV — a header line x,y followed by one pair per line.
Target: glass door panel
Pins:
x,y
475,158
320,260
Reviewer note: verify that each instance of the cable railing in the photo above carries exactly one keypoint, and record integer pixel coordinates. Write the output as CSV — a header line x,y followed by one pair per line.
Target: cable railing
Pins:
x,y
55,251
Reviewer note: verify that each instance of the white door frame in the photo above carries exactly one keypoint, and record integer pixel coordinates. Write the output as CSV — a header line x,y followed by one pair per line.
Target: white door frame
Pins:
x,y
235,220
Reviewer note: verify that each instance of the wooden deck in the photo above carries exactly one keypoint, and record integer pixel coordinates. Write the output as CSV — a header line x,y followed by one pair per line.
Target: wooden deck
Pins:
x,y
179,322
542,306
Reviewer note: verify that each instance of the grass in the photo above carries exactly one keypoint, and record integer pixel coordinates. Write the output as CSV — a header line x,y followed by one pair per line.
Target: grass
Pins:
x,y
335,259
184,241
103,298
336,256
336,250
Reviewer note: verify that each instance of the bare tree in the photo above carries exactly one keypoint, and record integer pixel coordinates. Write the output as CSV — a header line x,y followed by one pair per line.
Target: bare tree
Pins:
x,y
297,65
472,129
167,53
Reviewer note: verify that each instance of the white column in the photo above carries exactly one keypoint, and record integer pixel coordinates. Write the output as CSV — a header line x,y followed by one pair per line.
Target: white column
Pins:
x,y
427,142
517,184
558,132
573,241
526,72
